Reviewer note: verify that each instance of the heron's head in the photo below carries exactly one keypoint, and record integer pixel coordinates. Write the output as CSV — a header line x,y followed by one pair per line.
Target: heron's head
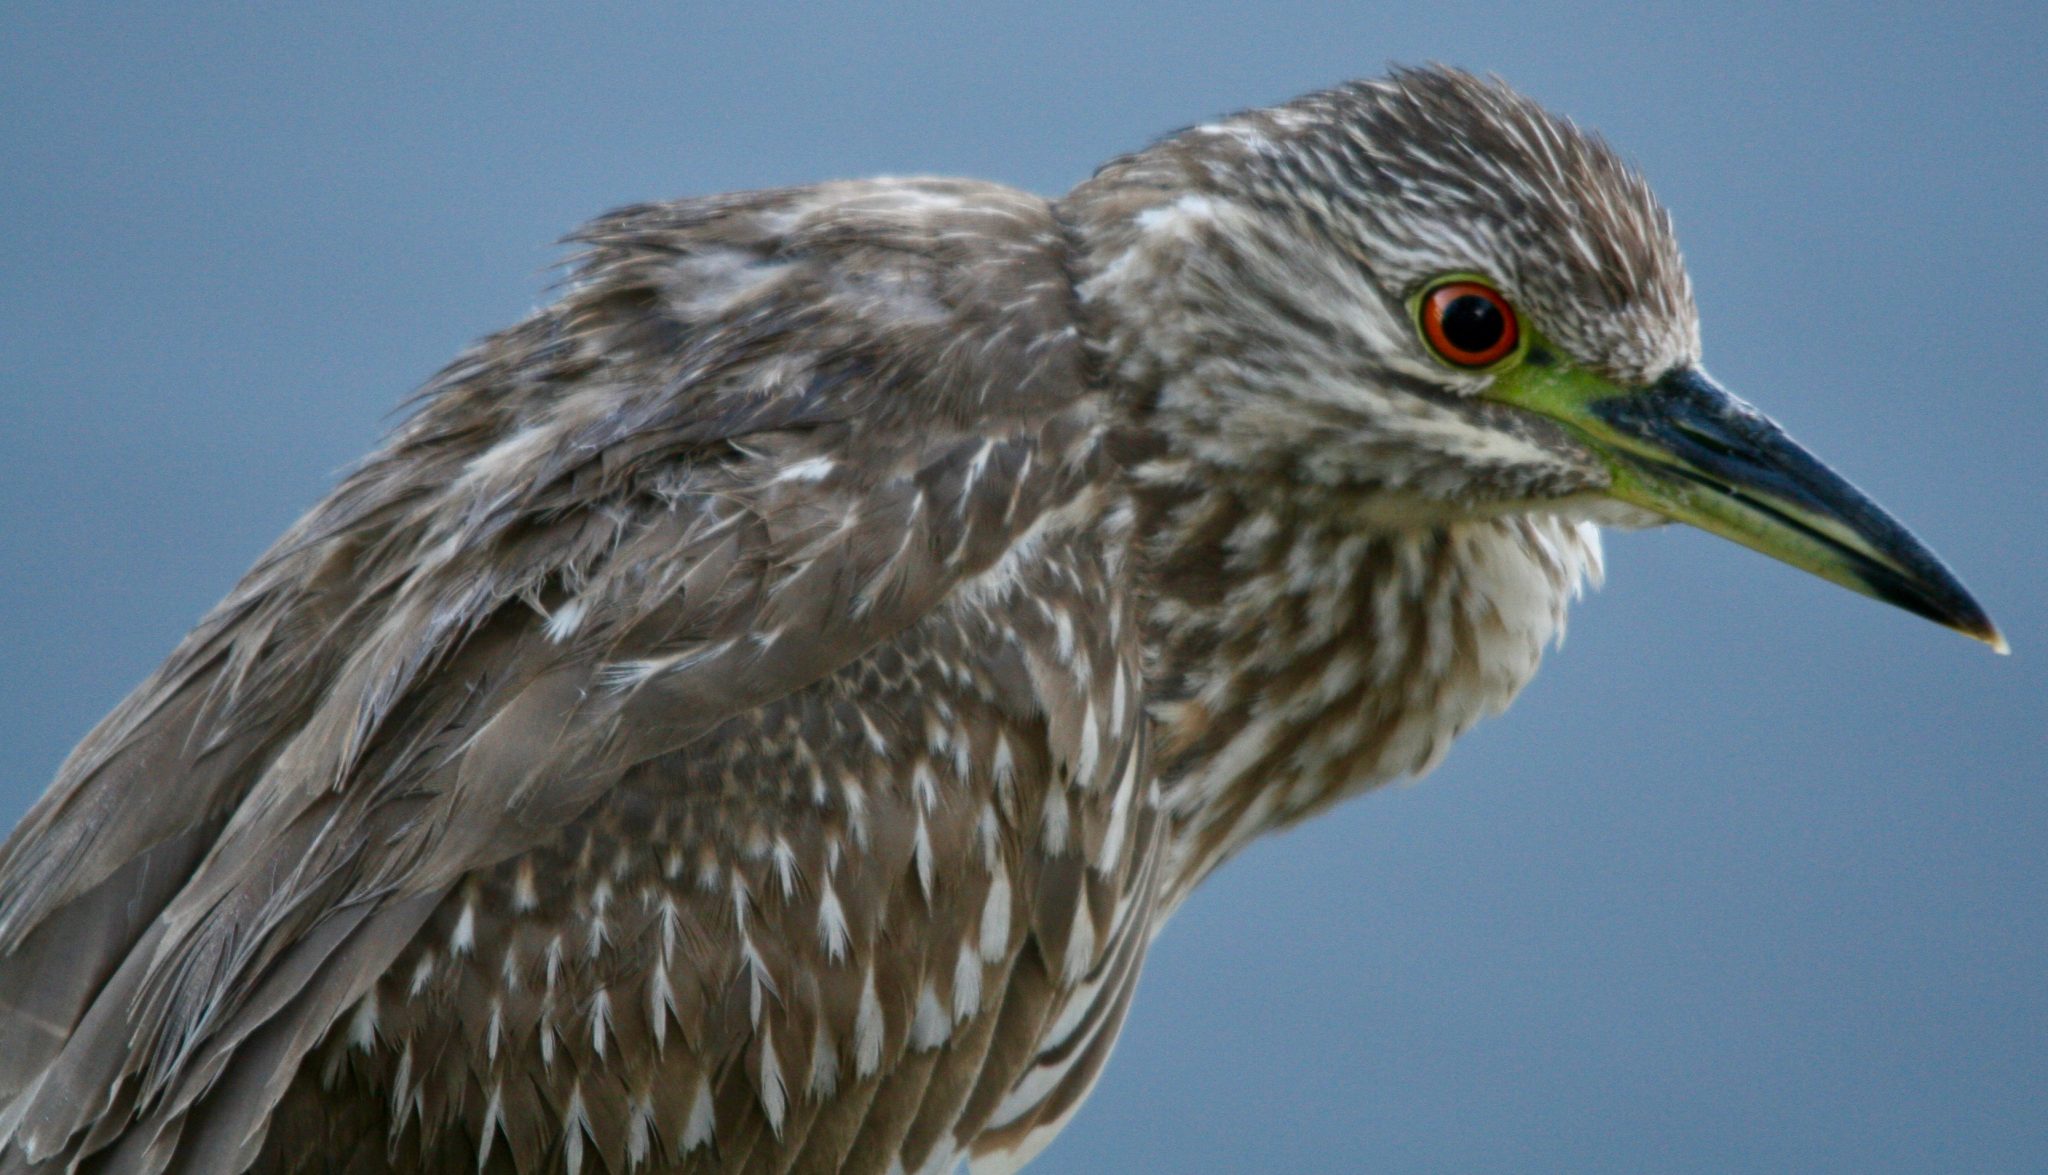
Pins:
x,y
1426,298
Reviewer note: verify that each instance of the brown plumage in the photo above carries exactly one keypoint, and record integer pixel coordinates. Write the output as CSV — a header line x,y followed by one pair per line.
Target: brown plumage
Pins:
x,y
755,713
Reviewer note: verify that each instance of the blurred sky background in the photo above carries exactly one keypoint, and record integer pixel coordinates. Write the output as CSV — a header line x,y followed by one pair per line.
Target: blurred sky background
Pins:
x,y
1752,878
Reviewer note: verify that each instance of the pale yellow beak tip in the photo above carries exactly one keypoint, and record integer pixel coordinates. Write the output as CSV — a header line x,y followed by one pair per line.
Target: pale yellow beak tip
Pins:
x,y
1990,636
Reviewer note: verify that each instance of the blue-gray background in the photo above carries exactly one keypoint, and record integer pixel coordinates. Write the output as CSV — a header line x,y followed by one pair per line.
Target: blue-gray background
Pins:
x,y
1751,878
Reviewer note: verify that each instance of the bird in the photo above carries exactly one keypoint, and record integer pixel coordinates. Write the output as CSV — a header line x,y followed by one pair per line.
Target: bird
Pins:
x,y
756,713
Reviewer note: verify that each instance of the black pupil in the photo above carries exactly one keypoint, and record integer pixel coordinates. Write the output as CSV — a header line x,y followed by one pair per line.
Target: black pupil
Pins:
x,y
1473,324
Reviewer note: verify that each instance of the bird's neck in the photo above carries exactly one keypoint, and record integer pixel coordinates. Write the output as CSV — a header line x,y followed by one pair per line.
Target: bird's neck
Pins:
x,y
1302,651
1311,631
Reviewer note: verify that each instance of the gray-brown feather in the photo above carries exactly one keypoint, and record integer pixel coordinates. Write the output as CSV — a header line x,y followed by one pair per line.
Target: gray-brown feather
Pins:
x,y
708,501
756,713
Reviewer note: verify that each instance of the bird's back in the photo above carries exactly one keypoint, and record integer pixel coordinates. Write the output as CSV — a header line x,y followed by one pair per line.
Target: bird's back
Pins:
x,y
706,734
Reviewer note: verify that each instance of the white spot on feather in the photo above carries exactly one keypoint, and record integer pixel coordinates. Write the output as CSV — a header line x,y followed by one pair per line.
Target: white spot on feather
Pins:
x,y
966,983
552,961
785,866
422,974
1080,944
868,1029
808,469
600,1021
494,1121
774,1095
525,894
1053,823
833,933
1004,765
661,1004
463,940
995,917
698,1130
494,1031
1091,748
576,1130
362,1027
930,1028
856,808
921,854
876,742
671,920
639,1131
1119,817
566,620
988,833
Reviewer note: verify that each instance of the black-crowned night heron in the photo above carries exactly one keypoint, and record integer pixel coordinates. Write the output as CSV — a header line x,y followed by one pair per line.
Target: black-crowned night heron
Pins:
x,y
756,712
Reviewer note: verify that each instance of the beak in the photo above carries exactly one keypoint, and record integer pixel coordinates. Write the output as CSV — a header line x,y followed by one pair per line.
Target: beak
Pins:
x,y
1688,450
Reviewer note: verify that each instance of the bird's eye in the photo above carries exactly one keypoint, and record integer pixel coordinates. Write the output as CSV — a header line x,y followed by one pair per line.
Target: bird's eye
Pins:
x,y
1468,323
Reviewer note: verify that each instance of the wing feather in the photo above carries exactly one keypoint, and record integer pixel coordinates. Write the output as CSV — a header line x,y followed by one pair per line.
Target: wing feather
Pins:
x,y
758,436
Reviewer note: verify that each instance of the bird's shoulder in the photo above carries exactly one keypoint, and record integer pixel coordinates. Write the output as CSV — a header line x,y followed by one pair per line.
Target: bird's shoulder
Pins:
x,y
958,292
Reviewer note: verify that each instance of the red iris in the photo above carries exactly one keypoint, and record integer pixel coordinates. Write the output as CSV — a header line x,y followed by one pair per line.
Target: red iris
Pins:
x,y
1469,324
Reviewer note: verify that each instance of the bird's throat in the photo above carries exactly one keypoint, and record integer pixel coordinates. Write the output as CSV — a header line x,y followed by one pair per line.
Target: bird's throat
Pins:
x,y
1300,659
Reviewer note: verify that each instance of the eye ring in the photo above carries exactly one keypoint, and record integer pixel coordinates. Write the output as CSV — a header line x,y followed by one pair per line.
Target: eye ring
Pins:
x,y
1468,323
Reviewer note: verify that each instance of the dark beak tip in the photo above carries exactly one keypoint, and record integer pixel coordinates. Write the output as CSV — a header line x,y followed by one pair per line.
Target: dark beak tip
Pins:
x,y
1954,608
1935,594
